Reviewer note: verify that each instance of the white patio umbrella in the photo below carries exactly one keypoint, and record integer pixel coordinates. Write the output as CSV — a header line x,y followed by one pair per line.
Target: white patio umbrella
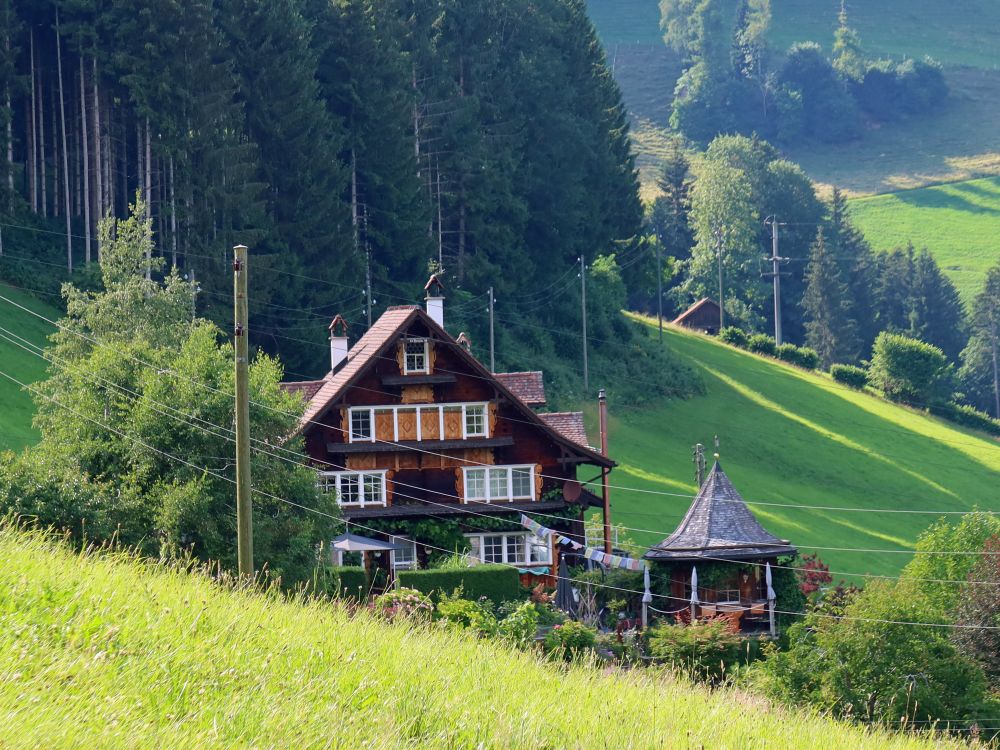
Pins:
x,y
694,591
647,596
771,596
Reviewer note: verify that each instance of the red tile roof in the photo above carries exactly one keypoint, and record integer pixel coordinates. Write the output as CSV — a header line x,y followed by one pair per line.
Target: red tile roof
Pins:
x,y
527,386
307,388
569,424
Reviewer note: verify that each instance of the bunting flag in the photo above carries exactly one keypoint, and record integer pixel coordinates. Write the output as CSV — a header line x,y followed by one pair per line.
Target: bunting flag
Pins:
x,y
611,561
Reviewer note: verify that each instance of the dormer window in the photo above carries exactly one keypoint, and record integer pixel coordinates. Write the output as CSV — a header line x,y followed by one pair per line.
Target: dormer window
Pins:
x,y
415,356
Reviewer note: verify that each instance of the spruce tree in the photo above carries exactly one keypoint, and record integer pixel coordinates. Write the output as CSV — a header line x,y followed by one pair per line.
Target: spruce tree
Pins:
x,y
980,372
859,270
829,327
938,316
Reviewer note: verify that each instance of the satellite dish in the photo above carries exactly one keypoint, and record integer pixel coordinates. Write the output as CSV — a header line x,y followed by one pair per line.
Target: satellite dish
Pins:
x,y
572,490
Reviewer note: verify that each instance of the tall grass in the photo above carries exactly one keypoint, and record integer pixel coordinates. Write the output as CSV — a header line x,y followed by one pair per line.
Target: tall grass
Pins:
x,y
99,650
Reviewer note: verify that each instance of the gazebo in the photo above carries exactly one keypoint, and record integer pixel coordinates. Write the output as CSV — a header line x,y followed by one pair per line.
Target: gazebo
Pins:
x,y
719,559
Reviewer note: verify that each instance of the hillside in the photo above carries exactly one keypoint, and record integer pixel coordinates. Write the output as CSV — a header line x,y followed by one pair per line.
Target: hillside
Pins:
x,y
16,408
85,662
954,143
791,437
957,222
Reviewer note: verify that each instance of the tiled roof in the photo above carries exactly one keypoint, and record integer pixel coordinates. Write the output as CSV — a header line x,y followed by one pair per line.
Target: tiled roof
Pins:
x,y
307,388
569,424
527,386
679,320
719,525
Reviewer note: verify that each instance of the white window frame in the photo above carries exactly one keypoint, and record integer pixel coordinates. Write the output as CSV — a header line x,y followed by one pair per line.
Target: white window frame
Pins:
x,y
487,496
332,481
426,356
420,410
408,564
527,542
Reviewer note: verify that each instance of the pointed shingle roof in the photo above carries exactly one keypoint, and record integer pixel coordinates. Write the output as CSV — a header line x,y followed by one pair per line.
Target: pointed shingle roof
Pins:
x,y
719,525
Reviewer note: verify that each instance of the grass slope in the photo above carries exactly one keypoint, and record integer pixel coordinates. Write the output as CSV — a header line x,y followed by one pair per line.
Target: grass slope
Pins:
x,y
957,222
792,437
16,407
955,143
104,652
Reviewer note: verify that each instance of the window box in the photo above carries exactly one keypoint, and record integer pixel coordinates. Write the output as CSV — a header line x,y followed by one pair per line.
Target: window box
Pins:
x,y
489,484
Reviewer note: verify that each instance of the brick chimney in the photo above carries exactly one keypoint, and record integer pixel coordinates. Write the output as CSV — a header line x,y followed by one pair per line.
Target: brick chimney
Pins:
x,y
338,342
434,290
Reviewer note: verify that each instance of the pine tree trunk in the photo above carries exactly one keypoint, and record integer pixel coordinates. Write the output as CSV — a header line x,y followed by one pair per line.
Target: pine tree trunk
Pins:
x,y
41,149
77,167
173,216
149,184
33,170
461,237
62,110
85,138
55,157
139,180
10,135
98,161
125,196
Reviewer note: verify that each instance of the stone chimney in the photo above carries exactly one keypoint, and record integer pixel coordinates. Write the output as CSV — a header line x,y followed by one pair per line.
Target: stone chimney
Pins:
x,y
338,342
434,290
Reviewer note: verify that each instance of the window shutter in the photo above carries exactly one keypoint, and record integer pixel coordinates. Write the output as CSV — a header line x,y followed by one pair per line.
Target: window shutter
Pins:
x,y
491,409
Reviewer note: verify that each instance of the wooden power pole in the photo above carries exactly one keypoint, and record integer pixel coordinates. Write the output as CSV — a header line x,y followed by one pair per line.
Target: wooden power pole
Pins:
x,y
602,403
493,363
244,507
583,308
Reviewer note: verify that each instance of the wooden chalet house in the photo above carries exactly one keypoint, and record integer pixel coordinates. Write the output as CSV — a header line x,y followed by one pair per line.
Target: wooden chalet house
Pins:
x,y
408,427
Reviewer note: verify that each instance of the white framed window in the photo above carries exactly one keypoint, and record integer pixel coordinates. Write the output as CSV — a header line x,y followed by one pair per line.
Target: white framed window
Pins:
x,y
473,420
406,558
517,548
355,488
499,483
361,426
415,356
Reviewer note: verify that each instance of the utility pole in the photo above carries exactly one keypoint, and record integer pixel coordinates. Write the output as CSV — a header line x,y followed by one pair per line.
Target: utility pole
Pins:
x,y
583,307
493,364
244,508
659,285
722,301
368,265
776,261
602,408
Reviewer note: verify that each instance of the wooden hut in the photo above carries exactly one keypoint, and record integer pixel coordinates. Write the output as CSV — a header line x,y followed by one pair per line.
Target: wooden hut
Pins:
x,y
704,315
720,539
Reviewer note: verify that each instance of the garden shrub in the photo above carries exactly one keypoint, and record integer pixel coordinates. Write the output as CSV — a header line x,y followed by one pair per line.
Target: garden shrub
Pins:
x,y
402,602
967,416
346,581
520,626
703,650
910,371
734,336
802,356
465,613
849,375
498,583
761,343
570,640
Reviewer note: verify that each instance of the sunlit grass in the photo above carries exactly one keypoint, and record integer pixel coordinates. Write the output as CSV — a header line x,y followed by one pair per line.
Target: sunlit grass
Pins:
x,y
102,651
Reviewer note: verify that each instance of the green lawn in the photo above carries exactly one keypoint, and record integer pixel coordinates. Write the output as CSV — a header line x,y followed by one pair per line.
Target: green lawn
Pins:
x,y
958,222
103,652
16,408
798,438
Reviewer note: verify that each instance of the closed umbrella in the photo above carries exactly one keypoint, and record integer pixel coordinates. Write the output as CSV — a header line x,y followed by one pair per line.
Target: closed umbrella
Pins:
x,y
647,596
694,591
564,590
771,596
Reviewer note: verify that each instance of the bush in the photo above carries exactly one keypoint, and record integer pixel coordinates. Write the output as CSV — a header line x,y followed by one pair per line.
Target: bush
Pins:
x,y
967,416
734,336
703,650
465,613
402,602
498,583
802,356
849,375
909,371
570,640
346,581
761,343
520,626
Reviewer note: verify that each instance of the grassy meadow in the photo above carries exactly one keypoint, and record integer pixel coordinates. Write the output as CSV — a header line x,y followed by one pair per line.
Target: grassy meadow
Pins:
x,y
957,222
16,407
793,437
100,651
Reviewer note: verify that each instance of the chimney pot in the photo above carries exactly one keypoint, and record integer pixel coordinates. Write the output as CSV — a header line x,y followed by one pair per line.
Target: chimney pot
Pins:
x,y
338,342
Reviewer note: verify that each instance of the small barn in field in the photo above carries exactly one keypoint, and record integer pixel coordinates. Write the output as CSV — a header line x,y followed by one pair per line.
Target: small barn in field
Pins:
x,y
703,315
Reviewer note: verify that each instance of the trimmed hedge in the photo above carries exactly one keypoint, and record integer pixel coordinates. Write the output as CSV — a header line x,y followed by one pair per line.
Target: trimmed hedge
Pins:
x,y
967,416
761,343
498,583
802,356
849,375
347,581
734,336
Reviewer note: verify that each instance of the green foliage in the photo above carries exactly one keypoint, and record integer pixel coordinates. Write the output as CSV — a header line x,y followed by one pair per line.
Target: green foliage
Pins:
x,y
344,581
978,611
830,330
570,640
909,371
467,614
520,626
967,416
498,583
734,336
980,373
829,111
705,651
802,356
888,90
761,343
850,375
609,585
403,603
